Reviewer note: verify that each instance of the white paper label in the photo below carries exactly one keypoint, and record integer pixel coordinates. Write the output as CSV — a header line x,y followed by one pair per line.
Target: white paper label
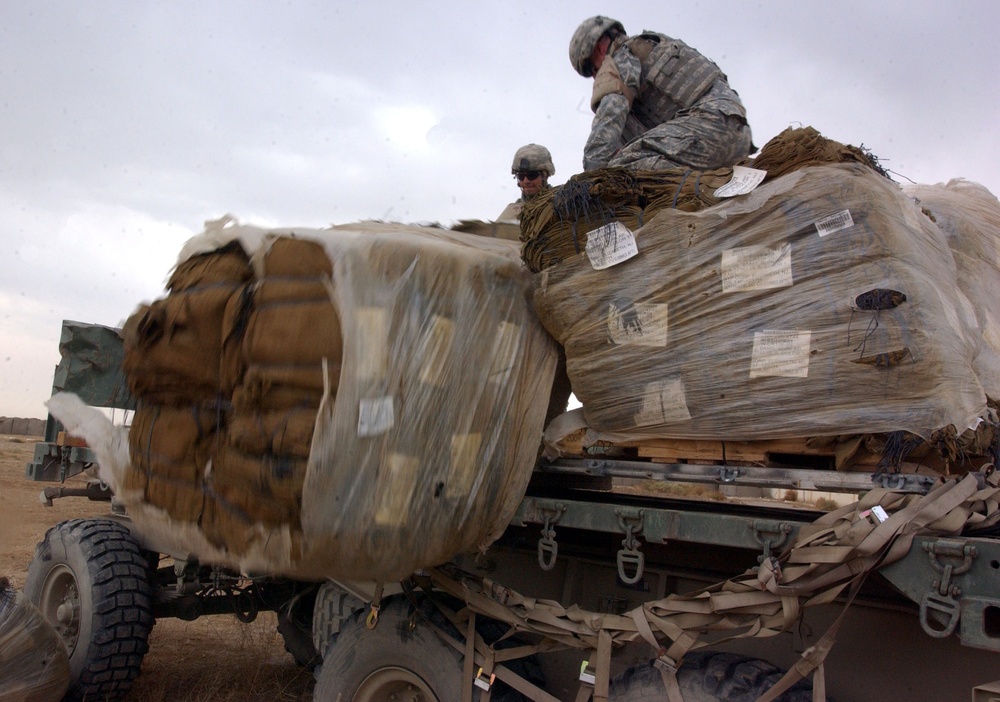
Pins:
x,y
610,245
663,402
782,354
375,416
835,222
879,513
743,181
641,324
756,268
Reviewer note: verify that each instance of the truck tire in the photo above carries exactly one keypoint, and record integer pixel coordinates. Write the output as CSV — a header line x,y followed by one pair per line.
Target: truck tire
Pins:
x,y
90,579
707,676
295,627
401,656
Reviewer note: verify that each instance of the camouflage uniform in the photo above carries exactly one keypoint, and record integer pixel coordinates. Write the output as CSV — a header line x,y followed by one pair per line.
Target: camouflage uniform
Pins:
x,y
660,104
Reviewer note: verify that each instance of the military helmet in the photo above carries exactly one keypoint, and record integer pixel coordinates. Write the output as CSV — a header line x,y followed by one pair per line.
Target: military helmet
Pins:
x,y
532,157
581,46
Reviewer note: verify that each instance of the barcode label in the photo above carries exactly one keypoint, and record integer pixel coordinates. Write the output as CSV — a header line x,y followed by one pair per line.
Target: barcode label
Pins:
x,y
835,222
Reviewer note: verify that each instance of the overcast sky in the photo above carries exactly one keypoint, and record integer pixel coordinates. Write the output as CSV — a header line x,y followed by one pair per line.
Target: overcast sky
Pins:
x,y
125,125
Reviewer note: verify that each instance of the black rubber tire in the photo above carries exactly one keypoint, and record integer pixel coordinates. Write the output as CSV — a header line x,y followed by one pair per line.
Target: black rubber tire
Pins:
x,y
295,627
90,580
392,653
707,676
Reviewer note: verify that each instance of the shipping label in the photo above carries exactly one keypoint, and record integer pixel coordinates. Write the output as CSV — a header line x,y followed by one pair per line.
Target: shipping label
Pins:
x,y
435,351
375,416
640,323
373,343
464,465
756,268
743,181
780,353
663,402
505,349
397,483
610,245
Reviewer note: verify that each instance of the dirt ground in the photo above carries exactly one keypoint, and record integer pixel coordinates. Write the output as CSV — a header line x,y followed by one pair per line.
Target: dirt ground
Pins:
x,y
215,659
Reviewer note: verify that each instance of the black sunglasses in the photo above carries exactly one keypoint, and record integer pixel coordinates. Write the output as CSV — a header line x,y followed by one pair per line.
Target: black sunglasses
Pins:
x,y
528,175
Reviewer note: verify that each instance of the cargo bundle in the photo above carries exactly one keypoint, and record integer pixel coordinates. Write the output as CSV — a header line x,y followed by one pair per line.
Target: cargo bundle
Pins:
x,y
354,402
822,306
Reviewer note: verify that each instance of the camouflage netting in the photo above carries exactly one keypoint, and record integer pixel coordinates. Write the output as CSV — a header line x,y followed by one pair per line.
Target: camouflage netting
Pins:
x,y
354,402
34,666
822,303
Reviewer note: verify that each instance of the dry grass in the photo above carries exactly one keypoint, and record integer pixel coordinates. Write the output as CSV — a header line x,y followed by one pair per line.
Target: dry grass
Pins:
x,y
219,659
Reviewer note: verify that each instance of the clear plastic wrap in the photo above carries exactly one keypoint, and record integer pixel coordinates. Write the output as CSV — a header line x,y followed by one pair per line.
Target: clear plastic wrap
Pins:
x,y
969,215
408,439
34,666
822,303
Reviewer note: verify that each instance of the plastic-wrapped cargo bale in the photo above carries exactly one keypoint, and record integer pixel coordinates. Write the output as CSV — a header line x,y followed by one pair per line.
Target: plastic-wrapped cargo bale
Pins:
x,y
427,446
821,303
34,666
969,215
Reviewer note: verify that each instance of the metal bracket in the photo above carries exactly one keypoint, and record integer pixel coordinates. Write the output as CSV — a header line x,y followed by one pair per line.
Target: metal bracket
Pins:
x,y
903,482
762,529
629,556
548,549
950,559
728,474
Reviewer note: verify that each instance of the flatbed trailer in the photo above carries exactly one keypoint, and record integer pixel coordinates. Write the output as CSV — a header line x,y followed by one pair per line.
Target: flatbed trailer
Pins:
x,y
582,549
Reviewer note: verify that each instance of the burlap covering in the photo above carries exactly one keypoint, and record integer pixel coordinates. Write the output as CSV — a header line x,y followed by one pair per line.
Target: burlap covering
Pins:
x,y
554,224
748,320
362,404
34,666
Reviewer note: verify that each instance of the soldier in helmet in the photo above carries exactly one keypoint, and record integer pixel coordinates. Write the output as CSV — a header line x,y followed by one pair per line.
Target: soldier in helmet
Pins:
x,y
532,167
657,102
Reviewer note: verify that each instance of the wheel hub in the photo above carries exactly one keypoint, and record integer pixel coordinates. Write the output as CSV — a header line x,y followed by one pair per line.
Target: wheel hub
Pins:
x,y
60,604
394,684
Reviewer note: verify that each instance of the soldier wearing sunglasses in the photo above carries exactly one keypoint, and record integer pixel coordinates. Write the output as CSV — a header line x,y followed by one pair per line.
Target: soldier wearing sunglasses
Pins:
x,y
532,167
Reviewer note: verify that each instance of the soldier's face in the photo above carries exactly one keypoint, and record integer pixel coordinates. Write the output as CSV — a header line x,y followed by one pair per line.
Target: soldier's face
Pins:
x,y
598,54
529,185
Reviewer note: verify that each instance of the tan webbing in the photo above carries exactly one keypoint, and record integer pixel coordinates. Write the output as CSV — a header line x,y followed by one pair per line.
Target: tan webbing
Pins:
x,y
834,553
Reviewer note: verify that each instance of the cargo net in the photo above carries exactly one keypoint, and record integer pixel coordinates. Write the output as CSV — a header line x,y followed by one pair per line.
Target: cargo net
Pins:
x,y
354,402
828,562
554,224
825,305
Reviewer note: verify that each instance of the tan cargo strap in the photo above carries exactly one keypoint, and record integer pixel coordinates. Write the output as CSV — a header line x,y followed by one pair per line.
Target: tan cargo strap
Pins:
x,y
484,662
828,556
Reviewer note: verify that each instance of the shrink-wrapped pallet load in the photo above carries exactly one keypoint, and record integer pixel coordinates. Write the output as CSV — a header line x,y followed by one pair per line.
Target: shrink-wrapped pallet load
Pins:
x,y
364,403
34,665
969,215
822,303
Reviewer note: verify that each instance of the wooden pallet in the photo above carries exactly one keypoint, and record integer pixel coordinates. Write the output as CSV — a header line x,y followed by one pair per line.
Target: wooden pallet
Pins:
x,y
777,452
